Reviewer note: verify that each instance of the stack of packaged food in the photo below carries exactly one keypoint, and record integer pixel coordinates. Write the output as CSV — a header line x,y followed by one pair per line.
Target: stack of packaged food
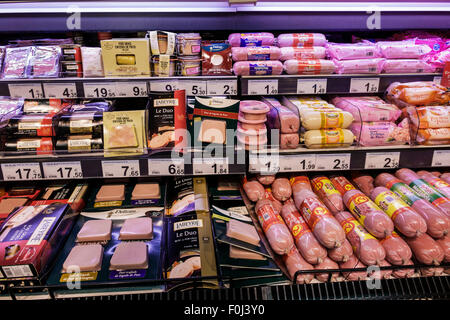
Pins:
x,y
251,129
163,50
189,54
355,57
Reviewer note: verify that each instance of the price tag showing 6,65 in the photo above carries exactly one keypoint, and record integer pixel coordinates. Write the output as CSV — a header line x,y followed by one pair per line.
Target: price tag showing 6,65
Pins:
x,y
120,168
382,160
21,171
262,87
364,85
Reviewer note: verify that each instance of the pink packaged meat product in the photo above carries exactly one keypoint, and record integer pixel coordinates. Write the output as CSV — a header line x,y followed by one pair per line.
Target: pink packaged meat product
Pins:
x,y
341,254
328,194
252,140
440,185
381,133
402,49
280,117
265,179
253,189
251,123
295,262
45,62
365,109
242,231
353,263
289,140
397,250
17,62
301,40
382,274
257,68
429,117
255,53
288,53
431,272
364,183
438,60
445,177
275,203
404,273
326,264
445,245
250,132
426,250
281,189
312,66
407,66
255,39
352,51
253,109
359,66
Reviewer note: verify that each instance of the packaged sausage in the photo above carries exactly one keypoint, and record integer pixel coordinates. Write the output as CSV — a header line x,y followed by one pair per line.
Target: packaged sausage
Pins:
x,y
255,39
318,119
31,125
255,53
444,242
45,62
381,133
301,189
429,117
351,51
281,189
253,189
328,194
439,184
81,123
374,66
366,247
402,49
43,145
404,273
79,143
341,254
368,213
16,63
342,184
257,68
328,138
268,194
433,136
417,93
301,40
353,263
309,66
280,117
265,179
365,109
364,183
438,223
426,250
302,53
294,262
323,225
216,59
326,264
289,140
407,66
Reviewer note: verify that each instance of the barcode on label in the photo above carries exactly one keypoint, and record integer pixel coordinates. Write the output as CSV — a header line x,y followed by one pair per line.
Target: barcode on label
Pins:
x,y
17,271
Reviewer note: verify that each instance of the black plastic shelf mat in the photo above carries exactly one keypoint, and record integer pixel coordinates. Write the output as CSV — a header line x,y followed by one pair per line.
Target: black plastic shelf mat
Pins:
x,y
436,288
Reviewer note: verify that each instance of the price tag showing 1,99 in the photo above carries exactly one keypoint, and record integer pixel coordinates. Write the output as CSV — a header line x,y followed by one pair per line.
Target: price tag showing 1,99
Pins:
x,y
165,166
62,170
120,168
364,85
99,90
338,161
21,171
26,90
382,160
311,86
222,87
298,163
262,87
210,166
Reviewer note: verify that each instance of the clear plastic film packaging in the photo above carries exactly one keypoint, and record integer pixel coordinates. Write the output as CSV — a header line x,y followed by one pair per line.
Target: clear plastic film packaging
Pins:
x,y
45,62
16,64
407,66
352,51
257,68
303,53
255,39
332,198
309,66
439,184
397,250
429,125
255,53
327,138
368,108
92,62
325,119
301,40
381,133
359,66
402,49
417,93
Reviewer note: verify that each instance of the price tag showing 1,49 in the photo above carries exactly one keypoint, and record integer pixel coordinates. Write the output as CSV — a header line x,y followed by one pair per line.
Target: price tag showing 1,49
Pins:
x,y
311,86
338,161
262,87
62,170
222,87
382,160
210,166
60,90
26,90
441,158
165,166
100,90
120,168
21,171
364,85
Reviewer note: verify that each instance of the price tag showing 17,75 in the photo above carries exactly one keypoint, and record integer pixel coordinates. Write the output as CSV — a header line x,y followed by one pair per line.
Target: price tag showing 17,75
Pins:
x,y
222,87
120,168
382,160
262,87
165,167
26,90
210,166
99,90
21,171
62,170
60,90
364,85
311,86
338,161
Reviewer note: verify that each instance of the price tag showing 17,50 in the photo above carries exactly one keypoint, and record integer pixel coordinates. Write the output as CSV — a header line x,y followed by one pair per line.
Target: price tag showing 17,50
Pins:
x,y
210,166
21,171
62,170
382,160
338,161
120,168
262,87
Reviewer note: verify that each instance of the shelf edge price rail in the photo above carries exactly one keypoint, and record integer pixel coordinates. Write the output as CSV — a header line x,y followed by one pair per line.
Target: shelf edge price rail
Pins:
x,y
221,87
21,171
441,158
311,86
120,168
63,170
100,90
26,90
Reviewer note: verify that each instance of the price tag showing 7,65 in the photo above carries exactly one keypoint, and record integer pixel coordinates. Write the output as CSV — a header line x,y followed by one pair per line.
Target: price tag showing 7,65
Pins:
x,y
338,161
62,170
311,86
21,171
120,168
364,85
382,160
26,90
262,87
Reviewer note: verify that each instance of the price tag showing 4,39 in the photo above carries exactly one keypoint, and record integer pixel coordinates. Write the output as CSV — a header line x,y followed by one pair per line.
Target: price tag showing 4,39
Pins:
x,y
60,90
210,166
262,87
222,87
131,89
382,160
120,168
62,170
26,90
266,164
311,86
364,85
338,161
21,171
441,158
165,167
100,90
164,85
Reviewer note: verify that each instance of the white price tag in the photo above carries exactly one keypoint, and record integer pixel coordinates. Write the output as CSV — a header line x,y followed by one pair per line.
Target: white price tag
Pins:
x,y
26,90
382,160
295,163
222,87
267,164
338,161
210,166
437,79
120,168
195,87
364,85
262,87
164,85
21,171
441,158
131,89
100,90
62,170
165,167
311,86
60,90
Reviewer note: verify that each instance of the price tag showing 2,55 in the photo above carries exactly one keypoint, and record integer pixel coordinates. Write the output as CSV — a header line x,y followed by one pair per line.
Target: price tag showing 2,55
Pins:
x,y
338,161
120,168
262,87
21,171
311,86
364,85
26,90
62,170
165,167
382,160
210,166
100,90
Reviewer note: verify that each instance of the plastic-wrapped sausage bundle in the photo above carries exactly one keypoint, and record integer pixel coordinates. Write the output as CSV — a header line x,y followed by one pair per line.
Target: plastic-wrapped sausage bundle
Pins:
x,y
323,225
342,184
440,185
327,264
325,119
265,179
309,66
294,262
257,39
353,263
364,183
301,189
289,140
445,177
424,189
404,273
274,228
280,117
419,93
281,189
365,246
359,66
407,66
368,214
257,68
352,51
289,53
444,243
405,219
328,194
438,224
253,189
306,243
328,138
397,250
426,250
301,40
275,203
341,254
255,53
402,49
